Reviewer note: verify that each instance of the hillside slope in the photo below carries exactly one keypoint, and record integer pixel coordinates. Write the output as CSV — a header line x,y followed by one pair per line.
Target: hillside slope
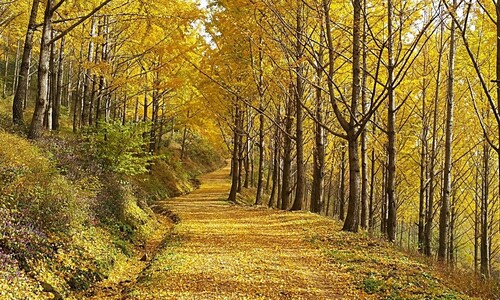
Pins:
x,y
68,222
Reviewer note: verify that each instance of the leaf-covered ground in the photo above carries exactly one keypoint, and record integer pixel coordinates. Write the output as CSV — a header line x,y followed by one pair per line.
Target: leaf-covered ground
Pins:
x,y
225,251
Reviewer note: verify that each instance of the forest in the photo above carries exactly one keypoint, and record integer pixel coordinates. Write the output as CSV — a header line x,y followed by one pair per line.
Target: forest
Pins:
x,y
364,132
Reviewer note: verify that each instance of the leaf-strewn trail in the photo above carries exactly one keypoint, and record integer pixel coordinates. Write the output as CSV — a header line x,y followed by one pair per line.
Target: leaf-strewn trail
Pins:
x,y
225,251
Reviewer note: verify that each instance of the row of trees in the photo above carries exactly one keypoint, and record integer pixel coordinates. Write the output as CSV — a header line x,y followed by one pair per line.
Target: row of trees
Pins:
x,y
348,109
103,61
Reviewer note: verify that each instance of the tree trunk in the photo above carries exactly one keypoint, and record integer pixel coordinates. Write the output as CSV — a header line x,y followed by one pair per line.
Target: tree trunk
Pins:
x,y
371,208
391,133
364,139
352,219
184,138
423,166
274,196
444,217
299,95
58,93
87,90
433,156
287,157
16,68
319,138
260,176
342,185
235,159
36,127
6,71
485,239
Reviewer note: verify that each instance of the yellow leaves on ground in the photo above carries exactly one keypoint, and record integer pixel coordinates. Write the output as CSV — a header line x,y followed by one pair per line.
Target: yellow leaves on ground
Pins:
x,y
222,251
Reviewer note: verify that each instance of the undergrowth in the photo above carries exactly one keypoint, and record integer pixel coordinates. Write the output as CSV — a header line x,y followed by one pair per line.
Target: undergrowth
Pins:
x,y
73,206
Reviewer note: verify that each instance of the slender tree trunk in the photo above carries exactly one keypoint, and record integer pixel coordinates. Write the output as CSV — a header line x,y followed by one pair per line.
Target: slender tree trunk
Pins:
x,y
477,221
444,217
453,219
184,138
87,90
247,148
241,150
299,95
287,158
391,132
49,113
423,165
383,211
485,238
36,127
364,139
16,68
371,208
6,71
275,176
69,86
58,93
329,199
342,185
319,138
260,176
433,156
235,157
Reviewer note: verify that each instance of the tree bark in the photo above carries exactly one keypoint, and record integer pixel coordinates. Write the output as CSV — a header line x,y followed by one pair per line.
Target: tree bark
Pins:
x,y
87,89
299,95
444,217
36,127
59,86
485,239
342,185
234,159
433,156
319,137
364,138
391,132
287,157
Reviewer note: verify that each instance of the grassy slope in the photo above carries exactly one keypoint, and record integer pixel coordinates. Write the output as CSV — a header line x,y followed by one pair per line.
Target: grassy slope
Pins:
x,y
68,223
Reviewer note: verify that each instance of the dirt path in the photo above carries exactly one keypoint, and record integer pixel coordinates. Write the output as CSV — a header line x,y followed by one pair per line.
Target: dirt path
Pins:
x,y
224,251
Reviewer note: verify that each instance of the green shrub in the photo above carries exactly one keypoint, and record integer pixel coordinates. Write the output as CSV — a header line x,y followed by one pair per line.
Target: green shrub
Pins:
x,y
119,148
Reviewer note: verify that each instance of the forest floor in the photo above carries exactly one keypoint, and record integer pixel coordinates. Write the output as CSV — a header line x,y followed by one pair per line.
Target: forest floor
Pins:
x,y
220,250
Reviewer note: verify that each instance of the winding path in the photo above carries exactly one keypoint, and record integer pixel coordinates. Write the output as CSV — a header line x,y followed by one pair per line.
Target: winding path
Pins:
x,y
224,251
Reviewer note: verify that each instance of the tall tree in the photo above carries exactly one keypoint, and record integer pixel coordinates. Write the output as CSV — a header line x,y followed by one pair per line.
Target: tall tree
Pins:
x,y
444,217
22,86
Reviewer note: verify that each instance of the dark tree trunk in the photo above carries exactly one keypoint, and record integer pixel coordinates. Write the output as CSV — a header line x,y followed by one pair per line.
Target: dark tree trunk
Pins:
x,y
444,216
235,158
287,158
342,185
391,133
319,139
485,238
